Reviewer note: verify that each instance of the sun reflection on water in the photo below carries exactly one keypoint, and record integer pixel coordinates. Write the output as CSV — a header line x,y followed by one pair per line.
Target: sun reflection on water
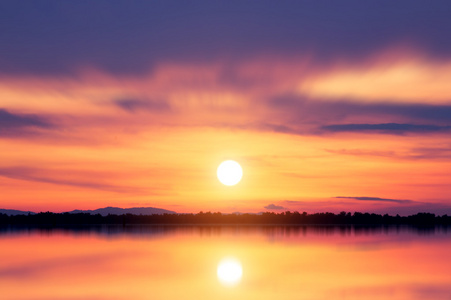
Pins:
x,y
229,271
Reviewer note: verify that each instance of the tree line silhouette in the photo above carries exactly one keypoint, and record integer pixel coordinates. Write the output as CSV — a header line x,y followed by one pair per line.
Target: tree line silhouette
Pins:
x,y
266,218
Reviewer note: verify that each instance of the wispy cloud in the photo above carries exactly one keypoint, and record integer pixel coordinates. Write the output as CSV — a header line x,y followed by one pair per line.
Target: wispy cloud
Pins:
x,y
391,128
302,114
14,124
376,199
38,175
438,153
134,105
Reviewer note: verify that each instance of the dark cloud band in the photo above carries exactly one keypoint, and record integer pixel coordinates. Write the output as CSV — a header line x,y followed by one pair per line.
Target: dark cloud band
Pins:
x,y
60,37
376,199
13,125
385,128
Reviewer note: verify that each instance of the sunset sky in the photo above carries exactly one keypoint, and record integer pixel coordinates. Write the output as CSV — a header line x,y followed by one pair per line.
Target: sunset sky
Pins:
x,y
327,105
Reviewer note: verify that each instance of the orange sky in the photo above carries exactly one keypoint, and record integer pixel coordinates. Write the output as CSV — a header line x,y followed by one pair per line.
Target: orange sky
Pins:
x,y
298,130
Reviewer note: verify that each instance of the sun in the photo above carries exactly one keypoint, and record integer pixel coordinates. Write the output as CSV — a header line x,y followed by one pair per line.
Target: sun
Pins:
x,y
229,172
229,271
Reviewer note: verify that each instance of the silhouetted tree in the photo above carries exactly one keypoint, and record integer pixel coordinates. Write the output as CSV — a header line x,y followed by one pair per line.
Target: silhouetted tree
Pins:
x,y
287,218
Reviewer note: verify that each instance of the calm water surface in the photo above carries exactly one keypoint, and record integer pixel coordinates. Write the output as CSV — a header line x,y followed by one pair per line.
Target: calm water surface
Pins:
x,y
181,262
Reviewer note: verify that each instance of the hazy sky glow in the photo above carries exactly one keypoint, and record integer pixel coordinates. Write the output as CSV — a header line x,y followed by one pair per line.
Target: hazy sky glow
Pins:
x,y
327,106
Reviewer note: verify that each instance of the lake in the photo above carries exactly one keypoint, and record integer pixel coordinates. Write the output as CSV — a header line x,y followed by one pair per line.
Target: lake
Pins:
x,y
184,262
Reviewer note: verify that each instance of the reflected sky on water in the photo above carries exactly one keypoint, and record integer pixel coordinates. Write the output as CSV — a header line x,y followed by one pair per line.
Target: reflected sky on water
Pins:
x,y
170,262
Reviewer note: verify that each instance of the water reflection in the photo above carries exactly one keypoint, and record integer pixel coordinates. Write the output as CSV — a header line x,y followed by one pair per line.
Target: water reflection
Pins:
x,y
218,230
185,262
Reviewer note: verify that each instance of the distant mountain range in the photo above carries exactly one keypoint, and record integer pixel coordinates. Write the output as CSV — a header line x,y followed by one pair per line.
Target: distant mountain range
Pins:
x,y
122,211
14,212
103,211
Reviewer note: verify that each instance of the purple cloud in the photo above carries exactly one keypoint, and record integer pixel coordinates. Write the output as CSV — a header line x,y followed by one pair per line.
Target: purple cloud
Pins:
x,y
377,199
390,128
273,206
134,105
14,124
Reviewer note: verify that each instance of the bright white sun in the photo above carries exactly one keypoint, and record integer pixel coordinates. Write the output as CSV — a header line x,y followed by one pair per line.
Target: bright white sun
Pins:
x,y
229,172
229,271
